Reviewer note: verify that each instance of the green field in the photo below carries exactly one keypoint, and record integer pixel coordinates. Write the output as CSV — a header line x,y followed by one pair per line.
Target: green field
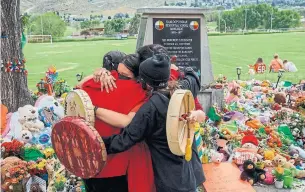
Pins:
x,y
227,53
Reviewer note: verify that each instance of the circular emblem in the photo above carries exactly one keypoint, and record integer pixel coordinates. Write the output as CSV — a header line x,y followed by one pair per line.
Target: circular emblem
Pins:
x,y
194,25
44,138
159,25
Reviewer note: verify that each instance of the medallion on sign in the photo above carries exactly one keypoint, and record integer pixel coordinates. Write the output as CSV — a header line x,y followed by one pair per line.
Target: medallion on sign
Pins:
x,y
159,25
194,25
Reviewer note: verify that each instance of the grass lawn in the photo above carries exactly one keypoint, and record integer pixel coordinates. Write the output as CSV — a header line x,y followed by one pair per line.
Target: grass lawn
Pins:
x,y
227,53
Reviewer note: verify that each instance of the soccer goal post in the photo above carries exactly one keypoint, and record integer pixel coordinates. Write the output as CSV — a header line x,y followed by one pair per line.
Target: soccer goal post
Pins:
x,y
39,39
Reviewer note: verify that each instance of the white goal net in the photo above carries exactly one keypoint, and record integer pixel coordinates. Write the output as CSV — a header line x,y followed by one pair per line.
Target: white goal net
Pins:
x,y
39,39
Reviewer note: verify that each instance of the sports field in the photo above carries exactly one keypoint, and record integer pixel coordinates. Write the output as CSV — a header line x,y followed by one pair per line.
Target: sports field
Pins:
x,y
227,53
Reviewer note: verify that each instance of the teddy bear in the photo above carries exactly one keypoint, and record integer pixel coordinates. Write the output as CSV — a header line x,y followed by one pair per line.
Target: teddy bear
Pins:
x,y
28,118
268,169
251,173
282,161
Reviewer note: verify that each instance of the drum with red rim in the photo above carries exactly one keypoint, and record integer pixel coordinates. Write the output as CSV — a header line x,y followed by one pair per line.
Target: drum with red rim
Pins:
x,y
79,147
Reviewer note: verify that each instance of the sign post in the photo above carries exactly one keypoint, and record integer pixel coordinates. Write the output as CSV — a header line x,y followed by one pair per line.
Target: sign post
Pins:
x,y
183,32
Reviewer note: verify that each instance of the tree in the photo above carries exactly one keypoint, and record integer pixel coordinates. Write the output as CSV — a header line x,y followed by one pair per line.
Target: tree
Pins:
x,y
25,21
286,19
126,15
109,17
258,16
49,24
134,24
118,16
109,30
85,24
14,88
118,25
95,23
165,4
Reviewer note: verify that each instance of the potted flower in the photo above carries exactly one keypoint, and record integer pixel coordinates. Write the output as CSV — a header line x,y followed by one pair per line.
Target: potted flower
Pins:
x,y
60,181
279,177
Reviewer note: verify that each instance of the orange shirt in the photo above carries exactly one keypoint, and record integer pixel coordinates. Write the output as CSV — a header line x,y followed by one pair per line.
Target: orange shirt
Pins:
x,y
260,67
276,65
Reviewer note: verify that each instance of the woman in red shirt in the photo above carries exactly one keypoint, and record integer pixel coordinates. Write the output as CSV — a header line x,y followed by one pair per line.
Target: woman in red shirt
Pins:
x,y
124,100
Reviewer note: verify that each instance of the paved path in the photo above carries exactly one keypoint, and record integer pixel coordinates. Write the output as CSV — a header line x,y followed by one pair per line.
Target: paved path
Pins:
x,y
266,188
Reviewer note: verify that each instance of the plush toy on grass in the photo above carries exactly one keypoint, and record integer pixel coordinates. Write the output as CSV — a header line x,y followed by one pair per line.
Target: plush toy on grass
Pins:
x,y
251,173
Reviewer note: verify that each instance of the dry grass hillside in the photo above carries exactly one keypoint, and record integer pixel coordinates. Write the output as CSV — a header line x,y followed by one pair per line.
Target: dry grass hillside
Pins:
x,y
83,7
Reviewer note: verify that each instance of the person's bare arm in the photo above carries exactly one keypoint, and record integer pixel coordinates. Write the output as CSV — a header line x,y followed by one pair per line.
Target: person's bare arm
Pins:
x,y
80,84
114,118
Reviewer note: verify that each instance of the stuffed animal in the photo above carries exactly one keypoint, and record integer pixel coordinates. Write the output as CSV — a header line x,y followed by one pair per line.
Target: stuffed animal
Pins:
x,y
28,118
26,136
269,155
288,178
282,161
223,149
253,123
216,157
280,98
248,150
269,176
35,188
251,173
274,140
301,151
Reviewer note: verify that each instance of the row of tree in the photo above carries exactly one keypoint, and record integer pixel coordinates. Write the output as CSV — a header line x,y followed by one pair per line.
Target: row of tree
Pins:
x,y
46,24
89,24
117,25
258,16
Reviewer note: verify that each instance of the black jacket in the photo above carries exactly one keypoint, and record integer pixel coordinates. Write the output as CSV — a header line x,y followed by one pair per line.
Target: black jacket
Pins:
x,y
172,173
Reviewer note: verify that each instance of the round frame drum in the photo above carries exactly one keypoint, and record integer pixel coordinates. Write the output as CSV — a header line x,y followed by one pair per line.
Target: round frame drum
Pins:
x,y
78,104
79,147
181,102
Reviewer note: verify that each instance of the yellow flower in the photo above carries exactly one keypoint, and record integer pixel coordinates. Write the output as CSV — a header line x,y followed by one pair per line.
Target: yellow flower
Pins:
x,y
280,170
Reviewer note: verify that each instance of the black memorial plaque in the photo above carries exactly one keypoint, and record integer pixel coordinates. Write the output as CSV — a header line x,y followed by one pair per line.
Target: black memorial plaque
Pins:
x,y
181,37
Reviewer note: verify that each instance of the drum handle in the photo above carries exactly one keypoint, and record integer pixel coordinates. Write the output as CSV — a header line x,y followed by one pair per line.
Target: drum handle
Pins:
x,y
188,150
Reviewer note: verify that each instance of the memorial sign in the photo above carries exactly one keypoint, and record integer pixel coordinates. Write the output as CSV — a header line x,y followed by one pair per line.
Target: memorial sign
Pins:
x,y
181,37
183,32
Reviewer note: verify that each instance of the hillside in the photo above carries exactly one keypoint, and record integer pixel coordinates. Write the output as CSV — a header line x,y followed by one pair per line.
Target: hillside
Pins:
x,y
83,7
